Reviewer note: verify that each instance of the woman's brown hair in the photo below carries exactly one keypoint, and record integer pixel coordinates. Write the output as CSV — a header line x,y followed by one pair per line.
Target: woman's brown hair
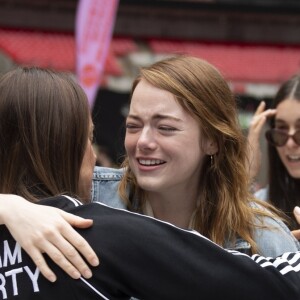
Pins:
x,y
44,123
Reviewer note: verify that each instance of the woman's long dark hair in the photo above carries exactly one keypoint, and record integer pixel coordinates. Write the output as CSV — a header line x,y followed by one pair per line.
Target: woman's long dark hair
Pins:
x,y
44,124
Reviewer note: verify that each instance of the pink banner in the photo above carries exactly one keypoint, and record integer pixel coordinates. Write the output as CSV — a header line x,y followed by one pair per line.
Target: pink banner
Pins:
x,y
94,27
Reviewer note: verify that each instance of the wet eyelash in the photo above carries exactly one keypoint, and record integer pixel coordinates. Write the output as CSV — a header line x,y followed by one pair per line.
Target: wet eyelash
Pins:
x,y
131,126
167,128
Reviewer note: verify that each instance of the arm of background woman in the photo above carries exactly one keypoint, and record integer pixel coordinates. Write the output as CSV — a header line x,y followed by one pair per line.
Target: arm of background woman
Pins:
x,y
255,129
40,229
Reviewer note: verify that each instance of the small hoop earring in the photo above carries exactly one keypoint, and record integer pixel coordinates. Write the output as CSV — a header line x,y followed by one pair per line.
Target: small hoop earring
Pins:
x,y
211,160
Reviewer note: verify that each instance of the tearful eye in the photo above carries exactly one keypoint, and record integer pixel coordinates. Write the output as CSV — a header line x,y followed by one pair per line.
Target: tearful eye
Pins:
x,y
130,125
164,128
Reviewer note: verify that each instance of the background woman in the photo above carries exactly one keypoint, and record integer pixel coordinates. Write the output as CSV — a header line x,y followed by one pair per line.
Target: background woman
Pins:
x,y
283,137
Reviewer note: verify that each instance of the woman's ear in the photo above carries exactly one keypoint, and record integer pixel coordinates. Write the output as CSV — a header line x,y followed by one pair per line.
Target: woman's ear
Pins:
x,y
211,147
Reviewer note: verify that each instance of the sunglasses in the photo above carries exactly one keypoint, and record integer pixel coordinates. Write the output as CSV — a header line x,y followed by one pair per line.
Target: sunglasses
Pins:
x,y
279,138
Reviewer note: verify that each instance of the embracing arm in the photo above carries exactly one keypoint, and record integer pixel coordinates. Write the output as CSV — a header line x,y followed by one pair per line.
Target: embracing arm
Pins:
x,y
40,229
144,257
150,259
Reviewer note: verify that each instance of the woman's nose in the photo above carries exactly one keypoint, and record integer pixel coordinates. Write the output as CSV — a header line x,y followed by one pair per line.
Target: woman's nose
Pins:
x,y
146,140
290,142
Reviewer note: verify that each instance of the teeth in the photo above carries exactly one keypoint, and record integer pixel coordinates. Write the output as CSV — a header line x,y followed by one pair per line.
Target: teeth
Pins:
x,y
150,162
294,157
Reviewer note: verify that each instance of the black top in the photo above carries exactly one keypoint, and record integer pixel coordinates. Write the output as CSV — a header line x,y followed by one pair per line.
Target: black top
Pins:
x,y
148,259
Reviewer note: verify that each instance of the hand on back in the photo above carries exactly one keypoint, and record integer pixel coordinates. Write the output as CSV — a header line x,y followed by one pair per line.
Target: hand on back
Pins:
x,y
42,229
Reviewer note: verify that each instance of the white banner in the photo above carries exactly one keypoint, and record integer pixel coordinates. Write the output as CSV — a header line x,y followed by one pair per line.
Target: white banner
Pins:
x,y
94,27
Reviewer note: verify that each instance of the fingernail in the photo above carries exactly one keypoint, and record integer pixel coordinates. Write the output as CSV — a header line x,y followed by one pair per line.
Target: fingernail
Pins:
x,y
297,210
52,278
87,274
95,262
76,275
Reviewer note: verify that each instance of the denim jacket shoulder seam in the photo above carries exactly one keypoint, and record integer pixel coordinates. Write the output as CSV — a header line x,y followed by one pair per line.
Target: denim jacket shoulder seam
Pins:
x,y
107,177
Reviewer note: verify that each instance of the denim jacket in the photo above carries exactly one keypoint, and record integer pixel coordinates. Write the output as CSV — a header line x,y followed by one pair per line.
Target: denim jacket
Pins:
x,y
271,241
